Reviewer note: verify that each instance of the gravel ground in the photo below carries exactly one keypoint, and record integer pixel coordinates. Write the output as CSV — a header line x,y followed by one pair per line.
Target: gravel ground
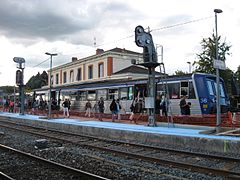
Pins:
x,y
94,161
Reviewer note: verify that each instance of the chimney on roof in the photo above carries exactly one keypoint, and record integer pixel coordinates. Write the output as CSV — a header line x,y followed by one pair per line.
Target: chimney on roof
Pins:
x,y
99,51
74,59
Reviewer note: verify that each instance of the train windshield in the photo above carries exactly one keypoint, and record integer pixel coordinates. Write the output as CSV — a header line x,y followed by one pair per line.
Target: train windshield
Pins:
x,y
222,94
212,88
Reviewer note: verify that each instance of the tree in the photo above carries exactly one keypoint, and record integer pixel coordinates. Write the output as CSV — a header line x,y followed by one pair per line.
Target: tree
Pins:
x,y
37,81
179,72
206,57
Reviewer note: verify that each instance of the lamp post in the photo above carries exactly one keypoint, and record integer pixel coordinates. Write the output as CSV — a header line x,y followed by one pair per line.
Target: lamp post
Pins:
x,y
217,11
189,67
50,83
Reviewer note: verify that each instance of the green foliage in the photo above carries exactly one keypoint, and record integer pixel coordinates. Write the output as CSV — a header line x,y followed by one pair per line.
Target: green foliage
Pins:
x,y
37,81
7,89
179,72
205,58
208,54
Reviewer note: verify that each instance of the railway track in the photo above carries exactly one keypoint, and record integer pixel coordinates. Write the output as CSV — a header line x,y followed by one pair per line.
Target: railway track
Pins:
x,y
207,164
40,167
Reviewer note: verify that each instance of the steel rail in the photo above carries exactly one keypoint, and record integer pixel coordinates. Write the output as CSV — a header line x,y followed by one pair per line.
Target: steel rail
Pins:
x,y
161,161
84,174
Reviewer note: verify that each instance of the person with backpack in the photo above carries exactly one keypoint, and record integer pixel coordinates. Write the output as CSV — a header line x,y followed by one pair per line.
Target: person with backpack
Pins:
x,y
88,108
101,108
113,109
65,108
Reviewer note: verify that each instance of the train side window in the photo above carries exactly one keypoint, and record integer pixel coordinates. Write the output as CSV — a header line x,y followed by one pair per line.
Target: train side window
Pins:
x,y
184,88
91,95
82,95
102,93
113,94
174,90
210,88
124,93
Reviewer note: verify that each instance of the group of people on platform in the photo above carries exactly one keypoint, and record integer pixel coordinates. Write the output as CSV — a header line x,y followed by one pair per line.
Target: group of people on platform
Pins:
x,y
137,107
98,108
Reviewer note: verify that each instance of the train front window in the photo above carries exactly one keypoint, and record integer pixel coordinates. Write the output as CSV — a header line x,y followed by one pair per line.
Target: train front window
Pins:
x,y
210,88
222,94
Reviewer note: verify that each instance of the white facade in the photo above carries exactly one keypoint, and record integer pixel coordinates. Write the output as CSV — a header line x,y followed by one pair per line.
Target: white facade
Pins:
x,y
94,68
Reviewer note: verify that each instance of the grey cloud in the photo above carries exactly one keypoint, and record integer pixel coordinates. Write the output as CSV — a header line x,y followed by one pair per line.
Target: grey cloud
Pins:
x,y
174,25
73,21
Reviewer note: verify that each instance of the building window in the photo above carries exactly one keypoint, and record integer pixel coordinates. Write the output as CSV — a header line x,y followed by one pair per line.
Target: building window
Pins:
x,y
71,76
57,78
79,74
100,70
90,72
65,77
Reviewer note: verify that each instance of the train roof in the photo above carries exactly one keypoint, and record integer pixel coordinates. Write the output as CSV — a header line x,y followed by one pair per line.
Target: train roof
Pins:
x,y
124,81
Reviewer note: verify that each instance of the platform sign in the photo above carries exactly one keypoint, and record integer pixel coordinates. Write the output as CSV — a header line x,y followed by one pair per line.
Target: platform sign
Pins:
x,y
219,64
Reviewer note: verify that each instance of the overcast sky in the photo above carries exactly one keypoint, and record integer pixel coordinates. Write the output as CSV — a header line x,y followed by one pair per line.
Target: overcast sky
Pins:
x,y
29,28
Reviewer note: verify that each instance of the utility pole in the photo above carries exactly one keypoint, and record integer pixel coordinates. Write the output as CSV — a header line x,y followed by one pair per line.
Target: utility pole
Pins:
x,y
50,84
218,124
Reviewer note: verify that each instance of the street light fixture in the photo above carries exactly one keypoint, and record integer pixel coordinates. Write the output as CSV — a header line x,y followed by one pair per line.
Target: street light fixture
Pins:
x,y
218,124
50,84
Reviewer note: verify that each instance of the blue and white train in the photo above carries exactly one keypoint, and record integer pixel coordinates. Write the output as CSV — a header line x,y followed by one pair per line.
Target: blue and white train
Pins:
x,y
198,87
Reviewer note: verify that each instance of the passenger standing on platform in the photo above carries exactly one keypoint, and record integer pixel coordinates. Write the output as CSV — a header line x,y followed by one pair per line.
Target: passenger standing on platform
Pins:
x,y
132,108
95,109
137,110
65,108
88,108
183,105
101,108
188,108
164,106
157,105
6,105
113,108
119,107
69,106
11,106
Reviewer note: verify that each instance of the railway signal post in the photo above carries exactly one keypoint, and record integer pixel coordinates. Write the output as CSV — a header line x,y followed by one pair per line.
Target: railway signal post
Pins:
x,y
144,39
19,81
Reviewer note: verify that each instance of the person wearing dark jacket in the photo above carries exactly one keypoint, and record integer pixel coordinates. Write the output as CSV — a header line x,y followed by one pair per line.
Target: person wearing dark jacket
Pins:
x,y
101,108
65,108
113,109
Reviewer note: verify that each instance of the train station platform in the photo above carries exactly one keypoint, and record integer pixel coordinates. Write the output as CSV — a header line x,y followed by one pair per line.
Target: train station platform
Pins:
x,y
183,136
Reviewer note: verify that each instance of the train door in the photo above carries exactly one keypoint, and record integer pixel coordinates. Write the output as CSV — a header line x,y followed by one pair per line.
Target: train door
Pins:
x,y
140,91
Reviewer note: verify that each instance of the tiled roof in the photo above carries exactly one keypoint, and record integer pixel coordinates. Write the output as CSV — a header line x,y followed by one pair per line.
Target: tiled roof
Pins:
x,y
134,69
